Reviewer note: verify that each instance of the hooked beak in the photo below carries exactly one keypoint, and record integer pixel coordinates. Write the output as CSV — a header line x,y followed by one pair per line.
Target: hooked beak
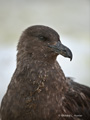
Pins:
x,y
59,48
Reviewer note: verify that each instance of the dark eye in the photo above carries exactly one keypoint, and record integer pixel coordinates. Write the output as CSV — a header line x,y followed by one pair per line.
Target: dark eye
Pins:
x,y
42,38
64,51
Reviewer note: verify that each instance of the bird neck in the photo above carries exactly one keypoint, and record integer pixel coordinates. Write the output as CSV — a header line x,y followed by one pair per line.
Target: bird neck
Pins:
x,y
25,56
38,70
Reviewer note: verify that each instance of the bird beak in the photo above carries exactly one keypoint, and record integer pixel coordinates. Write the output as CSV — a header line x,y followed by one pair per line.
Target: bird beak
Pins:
x,y
59,48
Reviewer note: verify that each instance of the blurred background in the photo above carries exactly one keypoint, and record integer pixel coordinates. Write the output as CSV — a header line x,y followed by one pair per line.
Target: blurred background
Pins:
x,y
70,18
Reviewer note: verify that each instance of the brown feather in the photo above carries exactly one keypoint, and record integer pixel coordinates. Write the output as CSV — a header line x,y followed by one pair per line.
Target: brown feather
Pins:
x,y
39,89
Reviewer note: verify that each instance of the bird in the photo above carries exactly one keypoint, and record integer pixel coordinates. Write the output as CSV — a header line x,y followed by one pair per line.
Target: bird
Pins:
x,y
39,89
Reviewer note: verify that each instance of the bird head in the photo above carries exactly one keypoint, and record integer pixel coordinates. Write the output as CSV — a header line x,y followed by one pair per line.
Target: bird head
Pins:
x,y
43,41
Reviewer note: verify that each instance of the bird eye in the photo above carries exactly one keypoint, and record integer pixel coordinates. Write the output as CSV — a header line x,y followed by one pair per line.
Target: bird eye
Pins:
x,y
64,51
42,38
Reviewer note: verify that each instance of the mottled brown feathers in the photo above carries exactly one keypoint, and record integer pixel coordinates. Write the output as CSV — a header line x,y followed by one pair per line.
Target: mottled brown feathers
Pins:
x,y
39,89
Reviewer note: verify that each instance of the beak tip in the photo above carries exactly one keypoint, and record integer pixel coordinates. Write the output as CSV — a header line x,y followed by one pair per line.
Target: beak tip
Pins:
x,y
71,58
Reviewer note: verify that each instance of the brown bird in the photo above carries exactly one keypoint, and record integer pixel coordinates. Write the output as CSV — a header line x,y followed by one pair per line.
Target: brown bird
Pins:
x,y
39,89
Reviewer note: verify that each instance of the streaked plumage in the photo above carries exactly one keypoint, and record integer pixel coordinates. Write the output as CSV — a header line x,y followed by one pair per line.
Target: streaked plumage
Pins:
x,y
39,89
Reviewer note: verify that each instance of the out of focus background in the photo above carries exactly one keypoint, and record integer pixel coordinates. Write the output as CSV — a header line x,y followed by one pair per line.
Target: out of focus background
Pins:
x,y
70,18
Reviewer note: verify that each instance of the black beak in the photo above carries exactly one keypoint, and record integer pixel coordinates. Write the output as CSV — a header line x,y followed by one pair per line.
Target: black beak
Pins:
x,y
59,48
